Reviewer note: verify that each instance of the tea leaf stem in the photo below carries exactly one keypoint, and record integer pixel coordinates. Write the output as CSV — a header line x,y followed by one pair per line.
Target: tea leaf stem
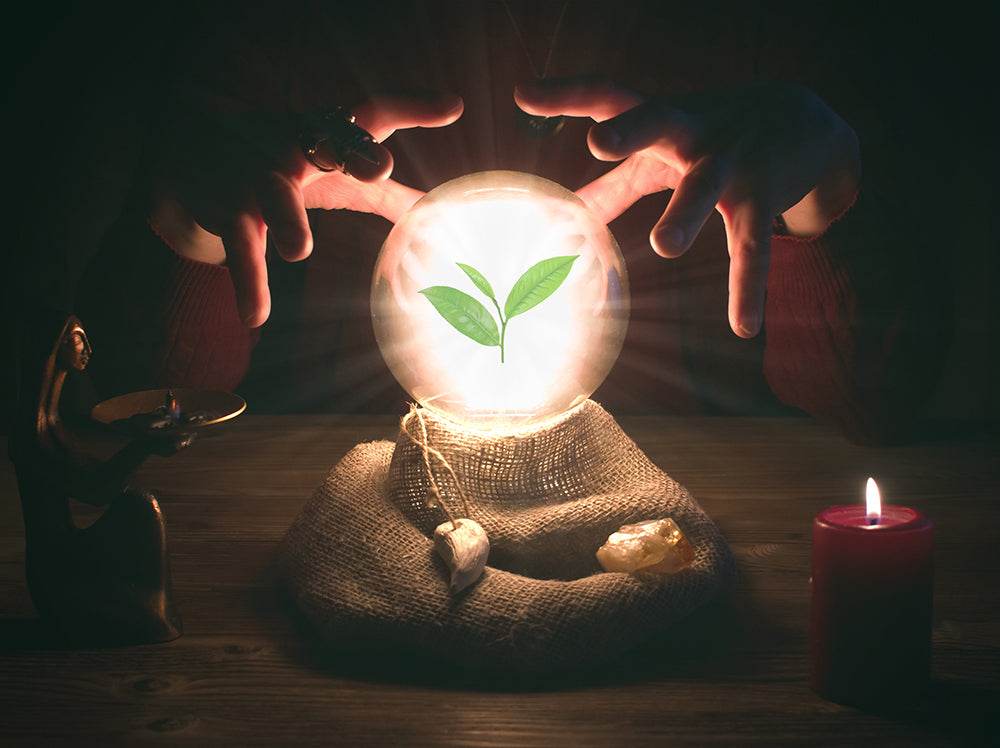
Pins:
x,y
503,326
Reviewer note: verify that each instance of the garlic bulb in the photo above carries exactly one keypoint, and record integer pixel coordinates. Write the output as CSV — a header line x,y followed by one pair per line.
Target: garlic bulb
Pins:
x,y
464,547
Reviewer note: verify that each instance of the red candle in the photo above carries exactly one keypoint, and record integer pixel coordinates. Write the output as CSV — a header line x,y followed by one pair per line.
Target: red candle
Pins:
x,y
870,629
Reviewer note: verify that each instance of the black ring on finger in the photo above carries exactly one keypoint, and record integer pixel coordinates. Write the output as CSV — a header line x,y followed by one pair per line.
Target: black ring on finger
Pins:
x,y
329,137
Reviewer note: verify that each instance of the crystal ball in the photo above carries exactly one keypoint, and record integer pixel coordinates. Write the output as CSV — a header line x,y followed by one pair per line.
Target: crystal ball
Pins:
x,y
500,301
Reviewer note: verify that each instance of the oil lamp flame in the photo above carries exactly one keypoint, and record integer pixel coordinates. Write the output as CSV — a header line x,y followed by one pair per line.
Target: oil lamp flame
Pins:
x,y
172,407
873,502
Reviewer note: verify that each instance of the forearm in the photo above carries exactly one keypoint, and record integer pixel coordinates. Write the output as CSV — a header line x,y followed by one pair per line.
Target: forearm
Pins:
x,y
854,332
179,231
158,319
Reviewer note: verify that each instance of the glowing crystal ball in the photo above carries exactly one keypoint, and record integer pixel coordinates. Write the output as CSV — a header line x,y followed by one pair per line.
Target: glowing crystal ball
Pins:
x,y
500,301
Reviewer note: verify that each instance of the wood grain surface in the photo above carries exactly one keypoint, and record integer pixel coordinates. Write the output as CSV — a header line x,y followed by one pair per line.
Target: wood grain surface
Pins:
x,y
246,672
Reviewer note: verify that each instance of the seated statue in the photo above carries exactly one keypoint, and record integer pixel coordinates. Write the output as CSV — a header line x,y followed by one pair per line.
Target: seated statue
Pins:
x,y
108,583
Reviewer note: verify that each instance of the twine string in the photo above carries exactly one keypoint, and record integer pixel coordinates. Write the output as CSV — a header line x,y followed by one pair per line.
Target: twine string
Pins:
x,y
436,496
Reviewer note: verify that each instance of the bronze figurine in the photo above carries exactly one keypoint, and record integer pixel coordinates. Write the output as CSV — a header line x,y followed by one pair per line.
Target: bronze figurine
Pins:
x,y
108,583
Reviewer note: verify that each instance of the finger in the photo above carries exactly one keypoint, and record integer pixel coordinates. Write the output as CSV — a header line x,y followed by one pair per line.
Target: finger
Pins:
x,y
362,158
613,193
245,242
749,235
335,191
582,96
382,115
283,210
394,199
653,123
693,201
373,169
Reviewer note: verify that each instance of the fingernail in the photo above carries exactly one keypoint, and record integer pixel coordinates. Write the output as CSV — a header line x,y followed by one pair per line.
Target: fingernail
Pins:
x,y
457,105
611,136
252,318
530,88
670,240
750,326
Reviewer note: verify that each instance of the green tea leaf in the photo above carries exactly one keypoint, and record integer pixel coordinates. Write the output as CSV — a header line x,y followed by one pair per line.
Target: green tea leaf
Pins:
x,y
479,279
464,313
537,283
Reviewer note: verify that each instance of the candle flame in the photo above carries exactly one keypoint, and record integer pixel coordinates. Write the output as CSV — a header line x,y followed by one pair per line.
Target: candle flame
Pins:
x,y
873,502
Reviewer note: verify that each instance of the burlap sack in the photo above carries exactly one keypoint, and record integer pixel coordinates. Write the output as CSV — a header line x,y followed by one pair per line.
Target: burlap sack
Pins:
x,y
359,560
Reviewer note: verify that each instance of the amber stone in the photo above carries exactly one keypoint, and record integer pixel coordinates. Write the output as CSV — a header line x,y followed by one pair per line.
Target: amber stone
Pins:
x,y
655,547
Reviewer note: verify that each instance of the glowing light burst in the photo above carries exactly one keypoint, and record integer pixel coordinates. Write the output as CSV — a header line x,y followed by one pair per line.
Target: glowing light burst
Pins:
x,y
555,354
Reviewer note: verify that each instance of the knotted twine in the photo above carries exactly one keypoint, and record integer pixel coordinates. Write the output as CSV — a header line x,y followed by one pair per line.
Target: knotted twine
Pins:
x,y
435,498
359,561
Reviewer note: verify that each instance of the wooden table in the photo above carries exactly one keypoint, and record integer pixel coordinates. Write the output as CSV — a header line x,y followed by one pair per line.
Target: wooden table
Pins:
x,y
244,673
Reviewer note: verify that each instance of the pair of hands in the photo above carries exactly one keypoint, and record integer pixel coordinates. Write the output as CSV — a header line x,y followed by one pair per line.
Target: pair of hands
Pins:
x,y
752,153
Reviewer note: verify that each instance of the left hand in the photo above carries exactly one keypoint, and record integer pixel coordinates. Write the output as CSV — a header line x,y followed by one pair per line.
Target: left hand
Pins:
x,y
751,152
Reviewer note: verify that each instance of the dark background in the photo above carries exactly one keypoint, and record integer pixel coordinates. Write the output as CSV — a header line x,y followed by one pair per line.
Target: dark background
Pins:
x,y
79,87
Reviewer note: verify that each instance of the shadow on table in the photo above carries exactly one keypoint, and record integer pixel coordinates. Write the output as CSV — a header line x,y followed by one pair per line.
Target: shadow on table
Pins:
x,y
26,634
34,634
728,641
948,431
953,708
696,647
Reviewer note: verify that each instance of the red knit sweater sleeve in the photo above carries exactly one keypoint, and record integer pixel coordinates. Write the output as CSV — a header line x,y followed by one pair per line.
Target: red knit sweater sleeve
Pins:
x,y
156,319
855,329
